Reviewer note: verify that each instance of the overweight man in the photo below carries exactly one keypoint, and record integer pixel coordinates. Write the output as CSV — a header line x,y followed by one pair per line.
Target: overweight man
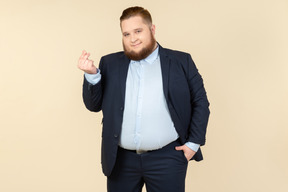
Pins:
x,y
154,105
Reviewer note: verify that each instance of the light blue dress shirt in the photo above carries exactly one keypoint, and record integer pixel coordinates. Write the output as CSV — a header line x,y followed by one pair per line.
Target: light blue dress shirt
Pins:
x,y
147,124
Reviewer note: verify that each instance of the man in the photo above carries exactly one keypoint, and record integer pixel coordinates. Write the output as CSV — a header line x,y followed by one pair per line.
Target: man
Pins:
x,y
155,109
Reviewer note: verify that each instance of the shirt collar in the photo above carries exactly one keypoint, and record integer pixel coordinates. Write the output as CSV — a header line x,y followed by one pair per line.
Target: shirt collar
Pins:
x,y
151,58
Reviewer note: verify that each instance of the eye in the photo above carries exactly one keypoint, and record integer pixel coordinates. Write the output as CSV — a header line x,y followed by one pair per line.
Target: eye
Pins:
x,y
139,31
126,34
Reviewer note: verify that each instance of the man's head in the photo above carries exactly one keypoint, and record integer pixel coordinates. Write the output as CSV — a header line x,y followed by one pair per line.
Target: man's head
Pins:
x,y
138,33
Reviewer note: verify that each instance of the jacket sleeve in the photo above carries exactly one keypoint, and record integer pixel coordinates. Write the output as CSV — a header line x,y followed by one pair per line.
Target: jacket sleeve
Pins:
x,y
92,94
199,105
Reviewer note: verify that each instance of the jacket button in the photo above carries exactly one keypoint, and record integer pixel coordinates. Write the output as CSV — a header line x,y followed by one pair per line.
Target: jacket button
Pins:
x,y
121,108
115,135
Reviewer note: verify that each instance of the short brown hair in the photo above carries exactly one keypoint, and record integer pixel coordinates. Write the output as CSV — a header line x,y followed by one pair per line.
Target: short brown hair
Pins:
x,y
136,11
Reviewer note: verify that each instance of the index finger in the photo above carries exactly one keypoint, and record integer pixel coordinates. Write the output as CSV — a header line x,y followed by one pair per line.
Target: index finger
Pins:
x,y
86,56
83,54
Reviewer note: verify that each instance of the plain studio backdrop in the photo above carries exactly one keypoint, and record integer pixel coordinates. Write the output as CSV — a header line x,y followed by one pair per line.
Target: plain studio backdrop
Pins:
x,y
50,142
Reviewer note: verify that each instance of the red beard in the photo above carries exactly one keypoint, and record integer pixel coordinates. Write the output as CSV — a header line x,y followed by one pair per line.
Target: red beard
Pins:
x,y
145,52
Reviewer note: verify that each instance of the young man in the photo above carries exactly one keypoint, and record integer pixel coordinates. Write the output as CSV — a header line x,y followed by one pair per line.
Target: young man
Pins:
x,y
155,109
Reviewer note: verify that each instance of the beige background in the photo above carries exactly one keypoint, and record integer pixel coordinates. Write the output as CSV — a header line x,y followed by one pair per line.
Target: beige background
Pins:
x,y
50,142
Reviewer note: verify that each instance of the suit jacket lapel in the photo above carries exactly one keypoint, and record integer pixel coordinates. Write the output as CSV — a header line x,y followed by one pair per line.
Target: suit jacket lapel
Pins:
x,y
165,64
124,65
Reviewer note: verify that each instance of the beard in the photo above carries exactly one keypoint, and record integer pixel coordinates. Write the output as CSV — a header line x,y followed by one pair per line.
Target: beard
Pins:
x,y
142,54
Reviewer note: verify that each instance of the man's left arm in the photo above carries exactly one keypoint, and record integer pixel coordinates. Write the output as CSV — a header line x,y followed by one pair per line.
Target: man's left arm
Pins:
x,y
200,111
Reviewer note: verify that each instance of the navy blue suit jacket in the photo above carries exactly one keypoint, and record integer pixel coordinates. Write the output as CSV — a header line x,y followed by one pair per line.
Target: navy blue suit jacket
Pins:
x,y
183,89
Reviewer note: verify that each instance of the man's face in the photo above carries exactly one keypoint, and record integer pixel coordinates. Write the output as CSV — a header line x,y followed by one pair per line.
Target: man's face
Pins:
x,y
138,38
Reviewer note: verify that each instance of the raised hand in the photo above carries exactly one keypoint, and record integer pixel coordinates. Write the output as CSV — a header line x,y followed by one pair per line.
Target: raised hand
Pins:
x,y
85,64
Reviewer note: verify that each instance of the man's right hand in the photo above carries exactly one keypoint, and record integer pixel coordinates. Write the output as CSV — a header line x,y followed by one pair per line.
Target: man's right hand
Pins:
x,y
85,64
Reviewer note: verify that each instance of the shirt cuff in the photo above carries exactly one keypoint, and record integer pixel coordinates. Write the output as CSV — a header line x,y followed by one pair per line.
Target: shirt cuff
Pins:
x,y
193,146
93,78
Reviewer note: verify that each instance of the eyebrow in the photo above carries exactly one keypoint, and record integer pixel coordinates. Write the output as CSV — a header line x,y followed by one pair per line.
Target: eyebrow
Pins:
x,y
125,32
138,29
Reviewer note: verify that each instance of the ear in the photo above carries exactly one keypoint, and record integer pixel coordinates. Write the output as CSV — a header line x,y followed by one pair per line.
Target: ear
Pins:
x,y
153,29
121,27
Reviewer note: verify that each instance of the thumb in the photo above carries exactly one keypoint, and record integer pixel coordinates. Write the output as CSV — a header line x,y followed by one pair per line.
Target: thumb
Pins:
x,y
179,148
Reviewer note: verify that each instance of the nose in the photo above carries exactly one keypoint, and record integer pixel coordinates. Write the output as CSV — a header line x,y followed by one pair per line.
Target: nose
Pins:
x,y
133,38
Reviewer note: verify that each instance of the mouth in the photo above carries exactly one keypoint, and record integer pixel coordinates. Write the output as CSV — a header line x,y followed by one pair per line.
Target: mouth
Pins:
x,y
135,45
